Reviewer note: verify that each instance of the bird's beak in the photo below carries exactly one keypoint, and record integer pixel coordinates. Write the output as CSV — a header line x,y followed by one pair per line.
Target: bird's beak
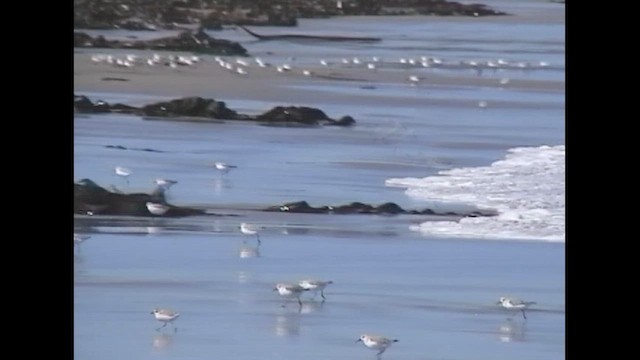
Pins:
x,y
498,303
275,289
151,313
358,340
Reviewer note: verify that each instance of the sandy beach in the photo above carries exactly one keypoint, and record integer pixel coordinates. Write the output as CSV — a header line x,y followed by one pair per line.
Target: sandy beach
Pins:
x,y
457,138
208,79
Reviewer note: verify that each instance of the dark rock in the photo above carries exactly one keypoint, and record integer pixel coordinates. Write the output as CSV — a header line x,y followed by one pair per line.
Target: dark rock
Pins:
x,y
197,42
362,208
343,121
89,198
303,115
191,106
197,107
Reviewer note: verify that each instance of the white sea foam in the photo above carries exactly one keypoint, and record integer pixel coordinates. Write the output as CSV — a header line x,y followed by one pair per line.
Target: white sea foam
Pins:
x,y
527,189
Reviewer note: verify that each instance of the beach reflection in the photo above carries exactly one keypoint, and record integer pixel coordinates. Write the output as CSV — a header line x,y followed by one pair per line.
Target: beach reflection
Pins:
x,y
219,185
311,307
288,324
248,251
244,277
511,331
163,341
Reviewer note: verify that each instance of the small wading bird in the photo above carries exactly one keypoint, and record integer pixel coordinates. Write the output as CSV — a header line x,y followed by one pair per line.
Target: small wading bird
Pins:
x,y
248,229
157,208
315,285
376,342
165,316
290,291
515,304
123,172
222,167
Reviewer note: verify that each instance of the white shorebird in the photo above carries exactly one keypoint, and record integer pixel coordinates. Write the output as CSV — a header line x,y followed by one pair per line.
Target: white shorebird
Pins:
x,y
123,172
315,285
157,208
376,342
413,79
165,316
224,168
249,229
165,183
290,291
510,303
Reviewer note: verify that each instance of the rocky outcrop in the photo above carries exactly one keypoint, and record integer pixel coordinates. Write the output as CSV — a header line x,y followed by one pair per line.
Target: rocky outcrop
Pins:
x,y
361,208
191,108
191,41
170,14
91,199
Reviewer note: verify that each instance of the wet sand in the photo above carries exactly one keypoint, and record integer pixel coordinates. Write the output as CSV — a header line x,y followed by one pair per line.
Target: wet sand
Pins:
x,y
208,79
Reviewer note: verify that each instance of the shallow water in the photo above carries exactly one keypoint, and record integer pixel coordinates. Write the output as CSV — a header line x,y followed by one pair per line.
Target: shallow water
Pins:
x,y
434,292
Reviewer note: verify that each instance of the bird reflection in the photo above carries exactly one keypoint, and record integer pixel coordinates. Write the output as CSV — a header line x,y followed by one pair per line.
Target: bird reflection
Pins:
x,y
511,330
151,230
163,341
311,307
249,251
219,185
288,324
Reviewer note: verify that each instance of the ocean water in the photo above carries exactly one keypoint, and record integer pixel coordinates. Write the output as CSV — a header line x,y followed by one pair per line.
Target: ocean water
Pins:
x,y
431,282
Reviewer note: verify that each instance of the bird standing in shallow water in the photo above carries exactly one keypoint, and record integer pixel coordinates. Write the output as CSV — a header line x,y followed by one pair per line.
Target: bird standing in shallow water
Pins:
x,y
165,316
123,172
290,291
248,229
315,285
376,342
224,168
515,304
157,208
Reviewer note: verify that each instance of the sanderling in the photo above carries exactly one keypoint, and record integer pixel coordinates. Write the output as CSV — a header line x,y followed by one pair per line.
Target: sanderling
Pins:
x,y
515,304
315,285
376,342
157,208
290,291
124,172
249,229
165,316
224,168
165,183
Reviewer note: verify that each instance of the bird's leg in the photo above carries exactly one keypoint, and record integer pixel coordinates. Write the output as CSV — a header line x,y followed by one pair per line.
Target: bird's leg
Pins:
x,y
258,237
524,315
322,294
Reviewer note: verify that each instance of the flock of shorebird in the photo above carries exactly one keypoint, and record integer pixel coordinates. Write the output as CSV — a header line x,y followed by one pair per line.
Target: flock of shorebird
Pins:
x,y
288,291
242,65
